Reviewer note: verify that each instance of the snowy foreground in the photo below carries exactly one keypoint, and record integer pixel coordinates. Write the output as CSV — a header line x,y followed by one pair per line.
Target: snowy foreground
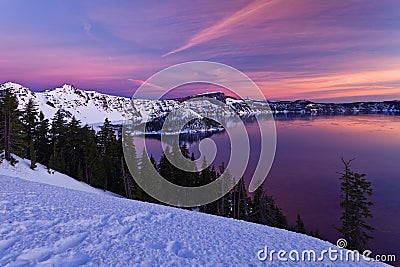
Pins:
x,y
47,225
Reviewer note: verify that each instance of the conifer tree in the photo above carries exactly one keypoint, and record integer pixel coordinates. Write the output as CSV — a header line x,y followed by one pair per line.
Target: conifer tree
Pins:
x,y
191,177
106,137
129,183
106,141
205,178
30,122
213,207
225,205
257,205
165,167
180,177
195,175
265,211
205,174
73,150
356,208
58,132
241,201
147,167
12,129
300,228
279,219
43,147
91,155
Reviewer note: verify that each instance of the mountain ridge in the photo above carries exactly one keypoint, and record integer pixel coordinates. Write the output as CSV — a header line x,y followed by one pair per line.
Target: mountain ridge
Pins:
x,y
92,107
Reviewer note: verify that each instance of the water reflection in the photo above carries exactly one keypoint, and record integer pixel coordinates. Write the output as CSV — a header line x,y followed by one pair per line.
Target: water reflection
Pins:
x,y
304,177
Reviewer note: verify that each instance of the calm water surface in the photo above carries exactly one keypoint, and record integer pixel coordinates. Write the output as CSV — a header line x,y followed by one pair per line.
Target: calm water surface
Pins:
x,y
304,177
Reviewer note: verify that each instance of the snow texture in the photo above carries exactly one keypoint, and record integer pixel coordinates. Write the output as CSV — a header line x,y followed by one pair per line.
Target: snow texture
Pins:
x,y
47,225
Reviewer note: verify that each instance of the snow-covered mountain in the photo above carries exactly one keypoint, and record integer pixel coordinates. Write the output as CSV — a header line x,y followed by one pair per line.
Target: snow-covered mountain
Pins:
x,y
47,225
88,106
92,107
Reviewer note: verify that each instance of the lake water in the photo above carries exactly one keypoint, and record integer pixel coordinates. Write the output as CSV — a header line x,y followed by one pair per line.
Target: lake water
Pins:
x,y
304,179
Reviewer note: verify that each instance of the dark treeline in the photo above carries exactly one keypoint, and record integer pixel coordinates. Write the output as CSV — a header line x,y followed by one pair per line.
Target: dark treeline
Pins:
x,y
97,159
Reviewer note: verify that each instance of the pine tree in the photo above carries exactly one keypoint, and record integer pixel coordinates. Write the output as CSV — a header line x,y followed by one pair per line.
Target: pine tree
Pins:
x,y
30,122
106,141
356,208
192,176
205,174
241,201
91,156
43,146
208,175
225,205
129,183
73,150
12,129
300,228
257,205
265,211
179,176
205,178
279,219
147,167
106,138
58,134
195,175
165,167
315,233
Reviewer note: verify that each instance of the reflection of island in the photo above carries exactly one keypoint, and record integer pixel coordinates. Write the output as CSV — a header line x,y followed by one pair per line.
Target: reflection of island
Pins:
x,y
187,138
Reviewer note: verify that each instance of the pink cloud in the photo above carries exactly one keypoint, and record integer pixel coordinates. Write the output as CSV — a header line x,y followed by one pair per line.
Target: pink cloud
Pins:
x,y
225,26
363,83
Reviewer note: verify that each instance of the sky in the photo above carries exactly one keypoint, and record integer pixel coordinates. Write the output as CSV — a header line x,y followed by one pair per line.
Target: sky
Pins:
x,y
336,51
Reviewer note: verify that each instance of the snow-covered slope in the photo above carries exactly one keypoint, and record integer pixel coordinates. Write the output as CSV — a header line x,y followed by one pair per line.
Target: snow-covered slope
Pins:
x,y
41,175
45,225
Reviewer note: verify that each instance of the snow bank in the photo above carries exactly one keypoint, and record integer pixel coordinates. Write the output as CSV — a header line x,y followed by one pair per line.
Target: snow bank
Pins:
x,y
45,225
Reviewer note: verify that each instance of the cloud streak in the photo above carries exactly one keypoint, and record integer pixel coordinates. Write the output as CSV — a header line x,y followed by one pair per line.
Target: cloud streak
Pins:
x,y
287,86
141,82
305,49
224,27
